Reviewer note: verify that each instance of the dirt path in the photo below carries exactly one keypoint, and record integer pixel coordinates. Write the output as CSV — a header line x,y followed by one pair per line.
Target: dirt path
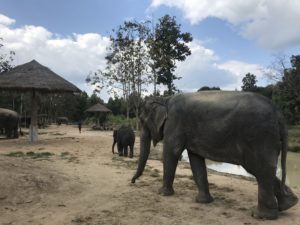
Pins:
x,y
72,178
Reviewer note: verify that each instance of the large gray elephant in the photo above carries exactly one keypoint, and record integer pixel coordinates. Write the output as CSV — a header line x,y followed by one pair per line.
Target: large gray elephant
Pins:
x,y
235,127
9,122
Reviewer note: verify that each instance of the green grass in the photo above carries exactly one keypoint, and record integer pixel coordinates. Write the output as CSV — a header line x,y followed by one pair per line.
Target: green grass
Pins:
x,y
69,157
294,138
15,154
32,155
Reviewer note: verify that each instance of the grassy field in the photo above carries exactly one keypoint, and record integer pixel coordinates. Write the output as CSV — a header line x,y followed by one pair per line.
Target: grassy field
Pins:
x,y
294,138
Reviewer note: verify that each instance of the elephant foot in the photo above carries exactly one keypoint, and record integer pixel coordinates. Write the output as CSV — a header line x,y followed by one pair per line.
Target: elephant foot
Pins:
x,y
166,191
200,198
264,213
286,200
130,156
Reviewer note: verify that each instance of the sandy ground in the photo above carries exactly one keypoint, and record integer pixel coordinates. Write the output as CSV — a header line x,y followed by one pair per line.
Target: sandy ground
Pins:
x,y
81,182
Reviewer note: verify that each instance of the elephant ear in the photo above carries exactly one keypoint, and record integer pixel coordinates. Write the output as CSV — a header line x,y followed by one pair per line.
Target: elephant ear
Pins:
x,y
156,120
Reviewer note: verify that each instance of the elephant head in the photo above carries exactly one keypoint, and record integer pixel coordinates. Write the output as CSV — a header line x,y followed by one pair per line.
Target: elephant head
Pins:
x,y
152,119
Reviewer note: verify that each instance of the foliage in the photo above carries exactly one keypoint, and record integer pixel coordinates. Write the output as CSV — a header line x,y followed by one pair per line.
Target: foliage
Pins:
x,y
249,82
117,106
7,99
6,59
294,138
120,120
94,99
167,45
276,69
266,91
126,65
287,93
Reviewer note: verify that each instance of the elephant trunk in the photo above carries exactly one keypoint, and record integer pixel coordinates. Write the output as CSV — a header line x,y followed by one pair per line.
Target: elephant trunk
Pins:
x,y
113,147
284,147
144,153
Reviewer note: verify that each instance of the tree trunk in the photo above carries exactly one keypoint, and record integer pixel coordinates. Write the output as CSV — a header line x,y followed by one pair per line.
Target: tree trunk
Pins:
x,y
33,133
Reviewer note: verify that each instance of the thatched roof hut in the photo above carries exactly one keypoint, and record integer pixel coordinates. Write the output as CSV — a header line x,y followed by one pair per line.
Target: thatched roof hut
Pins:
x,y
100,111
34,77
98,108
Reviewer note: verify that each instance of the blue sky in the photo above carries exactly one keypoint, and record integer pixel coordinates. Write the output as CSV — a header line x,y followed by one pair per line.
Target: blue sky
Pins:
x,y
231,37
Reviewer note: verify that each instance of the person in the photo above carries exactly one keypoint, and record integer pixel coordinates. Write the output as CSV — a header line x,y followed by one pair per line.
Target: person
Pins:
x,y
79,126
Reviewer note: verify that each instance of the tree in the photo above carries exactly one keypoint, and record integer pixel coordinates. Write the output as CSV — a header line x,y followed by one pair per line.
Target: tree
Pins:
x,y
287,94
7,99
249,82
5,59
117,106
168,45
266,91
126,63
277,67
94,99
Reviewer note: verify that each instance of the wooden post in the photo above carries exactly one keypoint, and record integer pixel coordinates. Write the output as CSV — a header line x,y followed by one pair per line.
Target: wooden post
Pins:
x,y
33,133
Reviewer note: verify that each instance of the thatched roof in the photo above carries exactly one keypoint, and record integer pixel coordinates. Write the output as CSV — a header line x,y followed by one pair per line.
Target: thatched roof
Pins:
x,y
98,108
34,76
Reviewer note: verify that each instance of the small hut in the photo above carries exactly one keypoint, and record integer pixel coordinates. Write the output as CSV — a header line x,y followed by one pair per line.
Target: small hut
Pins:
x,y
35,78
101,112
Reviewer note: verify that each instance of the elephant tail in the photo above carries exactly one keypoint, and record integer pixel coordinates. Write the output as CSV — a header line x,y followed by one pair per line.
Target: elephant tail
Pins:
x,y
284,148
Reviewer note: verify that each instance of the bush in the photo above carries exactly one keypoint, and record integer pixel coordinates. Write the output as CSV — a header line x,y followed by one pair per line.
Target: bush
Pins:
x,y
294,138
120,120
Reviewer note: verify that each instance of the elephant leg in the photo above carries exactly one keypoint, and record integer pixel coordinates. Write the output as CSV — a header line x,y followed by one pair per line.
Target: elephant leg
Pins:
x,y
16,135
170,161
267,207
286,198
200,176
120,149
8,133
126,150
131,151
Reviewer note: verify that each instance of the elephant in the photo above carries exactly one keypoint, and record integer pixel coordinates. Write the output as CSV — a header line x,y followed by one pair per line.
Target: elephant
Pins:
x,y
241,128
9,121
124,137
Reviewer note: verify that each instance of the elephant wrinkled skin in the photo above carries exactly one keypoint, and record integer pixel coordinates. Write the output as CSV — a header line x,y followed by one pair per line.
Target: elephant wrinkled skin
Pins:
x,y
235,127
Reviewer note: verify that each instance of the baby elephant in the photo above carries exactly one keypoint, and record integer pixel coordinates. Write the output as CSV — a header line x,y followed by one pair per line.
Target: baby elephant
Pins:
x,y
124,137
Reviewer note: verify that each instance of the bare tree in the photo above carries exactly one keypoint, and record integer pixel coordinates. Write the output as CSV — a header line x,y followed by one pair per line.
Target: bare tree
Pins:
x,y
279,64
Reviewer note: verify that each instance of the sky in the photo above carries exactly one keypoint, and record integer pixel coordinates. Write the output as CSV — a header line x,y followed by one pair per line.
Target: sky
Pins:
x,y
230,37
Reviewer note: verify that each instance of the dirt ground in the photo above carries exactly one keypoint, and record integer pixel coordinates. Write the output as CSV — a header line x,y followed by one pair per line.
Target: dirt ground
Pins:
x,y
73,178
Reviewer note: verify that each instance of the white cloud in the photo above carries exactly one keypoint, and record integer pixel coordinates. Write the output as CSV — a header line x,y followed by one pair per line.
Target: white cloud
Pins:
x,y
75,56
240,69
71,57
271,23
202,68
4,20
